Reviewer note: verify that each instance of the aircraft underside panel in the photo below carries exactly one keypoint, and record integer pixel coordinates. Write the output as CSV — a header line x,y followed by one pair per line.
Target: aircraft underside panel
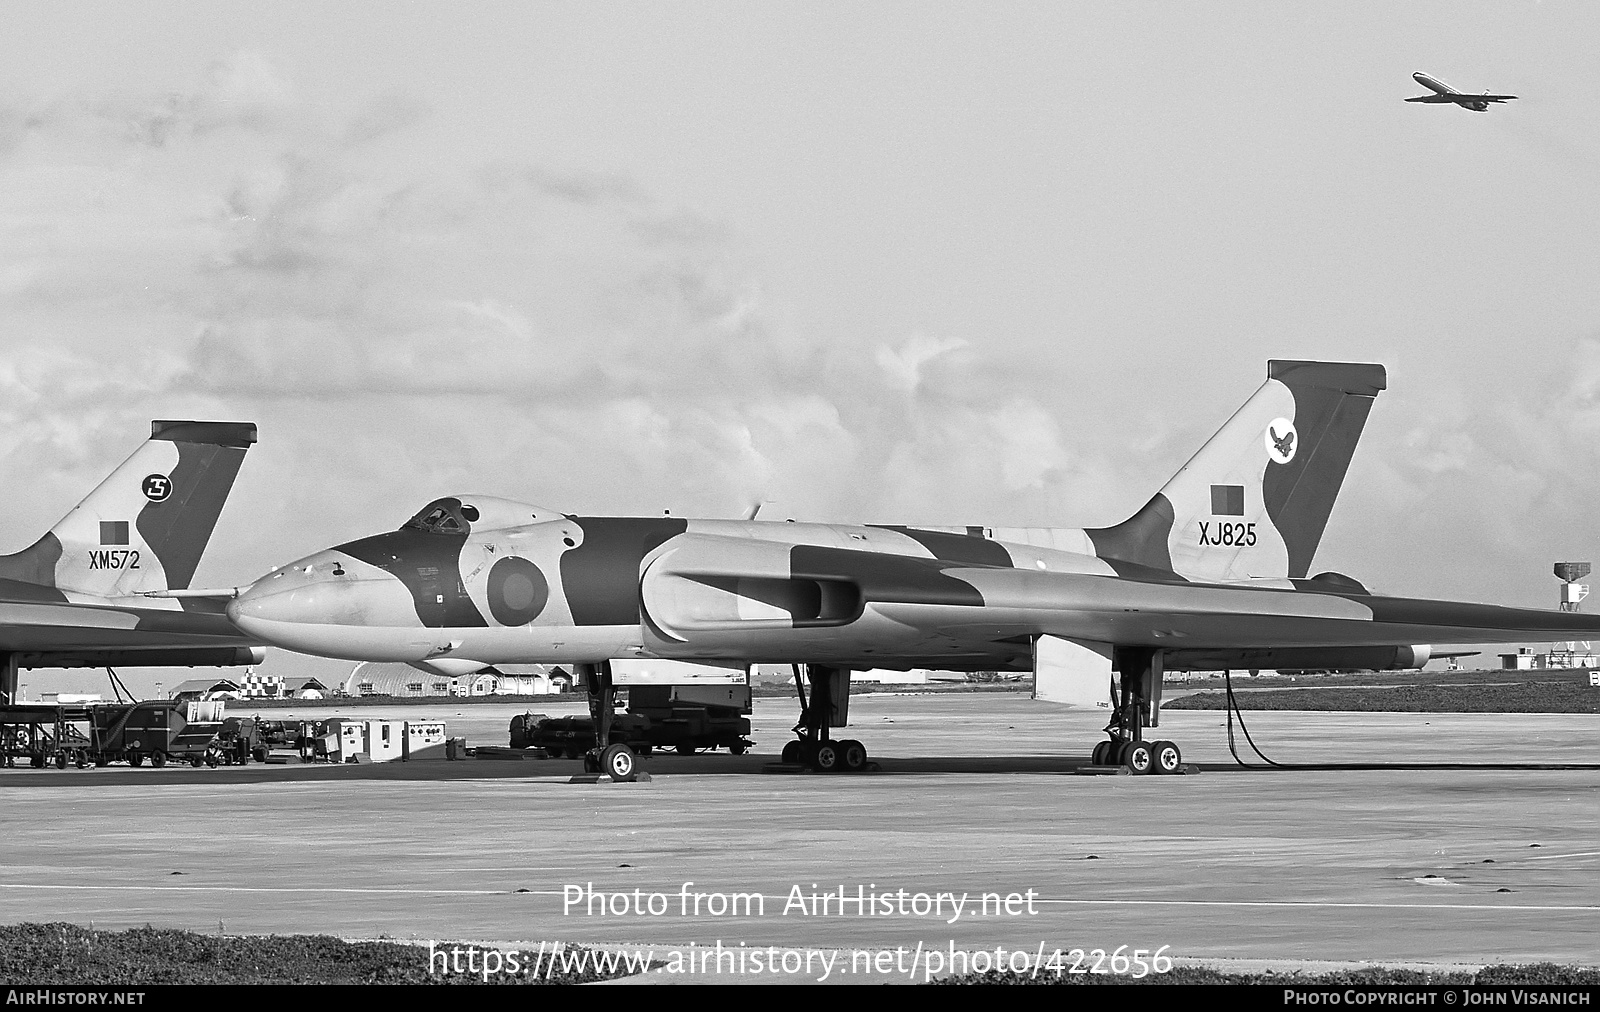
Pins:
x,y
1078,674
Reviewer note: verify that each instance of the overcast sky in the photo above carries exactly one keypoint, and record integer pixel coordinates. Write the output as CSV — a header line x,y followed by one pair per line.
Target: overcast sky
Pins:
x,y
1004,264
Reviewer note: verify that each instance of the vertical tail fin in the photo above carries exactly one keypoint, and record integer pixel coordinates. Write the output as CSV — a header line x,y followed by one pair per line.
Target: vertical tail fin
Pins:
x,y
1254,501
145,527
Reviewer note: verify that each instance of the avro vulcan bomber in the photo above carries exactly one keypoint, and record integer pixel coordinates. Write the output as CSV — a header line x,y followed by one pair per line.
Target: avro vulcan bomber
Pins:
x,y
1214,572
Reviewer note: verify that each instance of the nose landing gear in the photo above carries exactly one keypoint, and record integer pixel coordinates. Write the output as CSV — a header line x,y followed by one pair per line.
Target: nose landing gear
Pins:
x,y
616,761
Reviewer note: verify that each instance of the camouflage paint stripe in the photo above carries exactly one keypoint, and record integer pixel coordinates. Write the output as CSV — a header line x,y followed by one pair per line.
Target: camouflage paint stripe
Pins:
x,y
35,564
178,528
601,576
235,434
429,564
1528,623
886,578
1332,400
967,549
1141,539
29,592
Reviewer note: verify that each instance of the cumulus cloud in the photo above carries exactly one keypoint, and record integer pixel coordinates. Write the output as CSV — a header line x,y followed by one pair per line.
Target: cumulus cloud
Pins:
x,y
402,328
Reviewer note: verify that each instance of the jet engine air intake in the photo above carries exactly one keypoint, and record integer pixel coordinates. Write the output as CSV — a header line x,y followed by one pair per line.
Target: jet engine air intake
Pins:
x,y
805,603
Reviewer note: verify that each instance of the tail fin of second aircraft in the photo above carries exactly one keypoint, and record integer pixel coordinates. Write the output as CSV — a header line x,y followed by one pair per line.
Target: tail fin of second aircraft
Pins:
x,y
145,526
1254,501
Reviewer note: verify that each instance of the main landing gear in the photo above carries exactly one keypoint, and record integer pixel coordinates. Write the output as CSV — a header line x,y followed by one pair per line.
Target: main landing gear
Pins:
x,y
827,707
1136,705
616,761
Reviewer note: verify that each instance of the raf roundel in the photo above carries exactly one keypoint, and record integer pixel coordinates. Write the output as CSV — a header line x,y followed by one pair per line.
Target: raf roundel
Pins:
x,y
157,487
1282,441
518,591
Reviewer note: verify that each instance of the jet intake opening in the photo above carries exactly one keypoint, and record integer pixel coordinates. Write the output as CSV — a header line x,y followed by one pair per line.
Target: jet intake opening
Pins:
x,y
806,603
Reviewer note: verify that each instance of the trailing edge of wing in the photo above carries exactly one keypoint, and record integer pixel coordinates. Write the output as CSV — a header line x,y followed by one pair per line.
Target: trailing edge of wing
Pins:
x,y
1134,612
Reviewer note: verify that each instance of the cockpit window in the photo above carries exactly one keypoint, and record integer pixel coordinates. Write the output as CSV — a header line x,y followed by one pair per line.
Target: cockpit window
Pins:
x,y
443,516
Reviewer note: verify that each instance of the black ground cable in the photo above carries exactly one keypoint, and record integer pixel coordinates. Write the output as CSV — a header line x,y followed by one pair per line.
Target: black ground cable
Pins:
x,y
1234,709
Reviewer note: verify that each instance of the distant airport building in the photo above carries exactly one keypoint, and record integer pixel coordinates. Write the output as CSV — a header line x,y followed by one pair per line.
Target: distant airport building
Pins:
x,y
373,678
252,687
207,688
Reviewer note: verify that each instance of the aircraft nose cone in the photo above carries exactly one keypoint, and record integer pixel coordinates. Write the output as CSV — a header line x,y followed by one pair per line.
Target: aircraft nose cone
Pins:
x,y
302,593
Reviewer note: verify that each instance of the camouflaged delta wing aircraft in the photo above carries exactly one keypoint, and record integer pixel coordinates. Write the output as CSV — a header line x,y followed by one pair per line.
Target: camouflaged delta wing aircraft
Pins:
x,y
1210,574
78,597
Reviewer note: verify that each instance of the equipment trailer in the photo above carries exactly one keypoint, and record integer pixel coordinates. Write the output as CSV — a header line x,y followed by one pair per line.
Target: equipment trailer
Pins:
x,y
45,734
154,729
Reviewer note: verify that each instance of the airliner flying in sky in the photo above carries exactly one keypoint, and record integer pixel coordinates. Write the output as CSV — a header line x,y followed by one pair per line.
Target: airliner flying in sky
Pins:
x,y
1443,93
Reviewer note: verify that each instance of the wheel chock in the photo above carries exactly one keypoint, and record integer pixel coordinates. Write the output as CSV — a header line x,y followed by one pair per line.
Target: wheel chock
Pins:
x,y
601,778
1186,769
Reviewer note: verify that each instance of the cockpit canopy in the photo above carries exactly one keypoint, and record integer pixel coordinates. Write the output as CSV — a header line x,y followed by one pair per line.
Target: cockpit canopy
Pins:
x,y
460,515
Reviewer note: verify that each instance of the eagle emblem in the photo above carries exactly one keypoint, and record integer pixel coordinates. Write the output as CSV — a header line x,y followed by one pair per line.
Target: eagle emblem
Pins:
x,y
1281,440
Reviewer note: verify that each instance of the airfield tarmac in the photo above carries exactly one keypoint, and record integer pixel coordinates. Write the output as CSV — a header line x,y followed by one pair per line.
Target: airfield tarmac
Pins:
x,y
975,795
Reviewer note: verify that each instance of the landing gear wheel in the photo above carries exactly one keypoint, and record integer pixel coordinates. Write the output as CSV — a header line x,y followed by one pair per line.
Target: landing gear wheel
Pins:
x,y
158,759
617,762
1167,757
591,764
852,756
686,749
1101,756
1136,756
793,752
826,757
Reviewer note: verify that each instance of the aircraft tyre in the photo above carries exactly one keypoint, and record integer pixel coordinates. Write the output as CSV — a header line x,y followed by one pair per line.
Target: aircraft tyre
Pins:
x,y
1167,759
618,763
591,764
1136,755
793,752
826,757
1101,756
852,756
